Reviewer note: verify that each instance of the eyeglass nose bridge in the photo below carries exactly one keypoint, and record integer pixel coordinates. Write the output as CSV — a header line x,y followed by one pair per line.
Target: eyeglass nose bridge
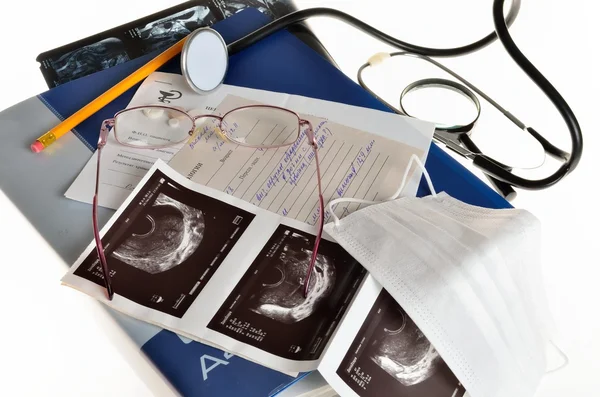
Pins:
x,y
218,127
202,116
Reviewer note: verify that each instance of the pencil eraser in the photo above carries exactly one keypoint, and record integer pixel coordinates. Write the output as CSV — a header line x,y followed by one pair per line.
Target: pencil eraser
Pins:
x,y
37,147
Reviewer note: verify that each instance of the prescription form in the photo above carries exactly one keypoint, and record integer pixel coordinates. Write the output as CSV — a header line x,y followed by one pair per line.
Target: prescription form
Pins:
x,y
363,153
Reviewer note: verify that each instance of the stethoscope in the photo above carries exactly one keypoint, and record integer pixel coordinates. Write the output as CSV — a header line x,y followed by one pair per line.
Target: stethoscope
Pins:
x,y
204,77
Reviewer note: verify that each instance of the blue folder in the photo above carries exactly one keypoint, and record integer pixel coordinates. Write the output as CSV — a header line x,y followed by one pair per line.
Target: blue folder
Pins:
x,y
280,63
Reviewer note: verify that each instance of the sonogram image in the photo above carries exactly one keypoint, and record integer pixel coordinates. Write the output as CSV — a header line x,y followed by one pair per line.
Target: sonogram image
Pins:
x,y
267,308
166,31
165,237
90,58
390,356
167,243
404,352
273,8
282,295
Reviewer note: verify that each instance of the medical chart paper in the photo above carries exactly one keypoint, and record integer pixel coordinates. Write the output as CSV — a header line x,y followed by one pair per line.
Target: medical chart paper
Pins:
x,y
284,180
122,167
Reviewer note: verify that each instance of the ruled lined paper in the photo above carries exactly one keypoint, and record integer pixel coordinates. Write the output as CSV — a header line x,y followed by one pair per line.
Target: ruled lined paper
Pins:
x,y
283,180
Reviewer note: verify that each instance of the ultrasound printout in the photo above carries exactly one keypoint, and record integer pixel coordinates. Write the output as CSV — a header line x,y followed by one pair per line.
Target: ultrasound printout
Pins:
x,y
267,308
390,356
152,33
166,245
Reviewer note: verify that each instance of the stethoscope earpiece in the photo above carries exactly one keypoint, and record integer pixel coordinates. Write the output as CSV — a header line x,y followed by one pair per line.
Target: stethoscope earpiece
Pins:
x,y
204,60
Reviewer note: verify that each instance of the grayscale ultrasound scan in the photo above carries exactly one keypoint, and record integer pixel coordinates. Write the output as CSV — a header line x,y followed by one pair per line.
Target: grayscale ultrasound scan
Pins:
x,y
272,8
169,233
166,245
90,58
267,308
404,352
160,34
281,297
390,356
150,34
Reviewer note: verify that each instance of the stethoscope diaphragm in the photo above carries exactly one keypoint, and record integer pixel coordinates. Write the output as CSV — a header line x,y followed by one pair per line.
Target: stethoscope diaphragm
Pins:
x,y
444,84
204,60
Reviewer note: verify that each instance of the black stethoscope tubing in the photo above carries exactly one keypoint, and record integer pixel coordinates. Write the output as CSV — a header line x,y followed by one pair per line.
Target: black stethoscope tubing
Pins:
x,y
485,163
457,138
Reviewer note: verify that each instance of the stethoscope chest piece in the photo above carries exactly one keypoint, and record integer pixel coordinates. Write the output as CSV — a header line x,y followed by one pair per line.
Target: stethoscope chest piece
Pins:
x,y
204,60
463,128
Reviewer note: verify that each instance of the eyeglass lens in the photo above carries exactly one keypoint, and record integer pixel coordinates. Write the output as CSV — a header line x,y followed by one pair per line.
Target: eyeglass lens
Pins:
x,y
261,126
152,127
256,126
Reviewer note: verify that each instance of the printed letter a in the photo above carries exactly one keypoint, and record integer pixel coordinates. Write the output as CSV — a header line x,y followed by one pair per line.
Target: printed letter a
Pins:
x,y
216,363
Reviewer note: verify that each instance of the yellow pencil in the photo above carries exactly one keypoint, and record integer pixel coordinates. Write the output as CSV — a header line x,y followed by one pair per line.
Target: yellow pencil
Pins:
x,y
67,125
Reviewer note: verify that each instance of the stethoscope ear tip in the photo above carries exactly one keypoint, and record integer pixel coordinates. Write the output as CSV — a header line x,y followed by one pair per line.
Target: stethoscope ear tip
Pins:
x,y
204,60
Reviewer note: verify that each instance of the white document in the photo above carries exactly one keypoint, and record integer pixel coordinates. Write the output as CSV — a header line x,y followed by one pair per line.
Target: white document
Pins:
x,y
214,268
219,270
284,180
123,167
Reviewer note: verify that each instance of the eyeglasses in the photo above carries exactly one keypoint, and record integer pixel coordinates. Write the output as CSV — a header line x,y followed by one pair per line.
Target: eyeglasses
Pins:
x,y
156,127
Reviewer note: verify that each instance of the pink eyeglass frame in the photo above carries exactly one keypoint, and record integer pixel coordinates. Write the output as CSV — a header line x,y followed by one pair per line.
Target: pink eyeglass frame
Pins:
x,y
105,130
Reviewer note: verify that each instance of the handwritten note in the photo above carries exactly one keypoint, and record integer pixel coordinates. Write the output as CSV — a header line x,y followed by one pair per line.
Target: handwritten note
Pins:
x,y
279,179
353,163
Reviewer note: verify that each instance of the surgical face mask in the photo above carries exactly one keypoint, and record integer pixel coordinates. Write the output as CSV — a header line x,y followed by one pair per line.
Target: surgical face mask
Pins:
x,y
467,276
514,235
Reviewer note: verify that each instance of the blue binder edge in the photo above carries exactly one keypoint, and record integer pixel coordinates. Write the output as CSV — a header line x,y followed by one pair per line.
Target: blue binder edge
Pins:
x,y
268,65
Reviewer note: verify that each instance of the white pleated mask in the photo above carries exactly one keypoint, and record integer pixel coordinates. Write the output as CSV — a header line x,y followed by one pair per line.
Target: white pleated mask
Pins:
x,y
468,276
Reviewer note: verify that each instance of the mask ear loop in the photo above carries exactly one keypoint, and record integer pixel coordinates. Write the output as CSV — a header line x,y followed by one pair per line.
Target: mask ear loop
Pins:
x,y
413,159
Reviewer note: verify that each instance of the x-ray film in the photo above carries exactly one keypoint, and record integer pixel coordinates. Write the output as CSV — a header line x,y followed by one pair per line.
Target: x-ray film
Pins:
x,y
390,356
151,34
273,8
166,245
267,308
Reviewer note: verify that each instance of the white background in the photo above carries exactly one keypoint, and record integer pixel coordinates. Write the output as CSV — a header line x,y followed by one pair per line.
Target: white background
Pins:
x,y
47,329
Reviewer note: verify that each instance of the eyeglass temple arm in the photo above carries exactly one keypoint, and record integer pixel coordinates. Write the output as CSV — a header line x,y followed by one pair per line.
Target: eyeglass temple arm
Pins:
x,y
313,144
106,125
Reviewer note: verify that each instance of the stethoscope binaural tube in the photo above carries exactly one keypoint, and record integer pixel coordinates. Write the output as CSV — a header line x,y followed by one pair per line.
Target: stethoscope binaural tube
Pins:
x,y
572,159
485,163
456,136
298,16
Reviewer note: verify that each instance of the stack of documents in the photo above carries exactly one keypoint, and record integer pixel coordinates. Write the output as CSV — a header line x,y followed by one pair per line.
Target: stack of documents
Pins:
x,y
351,138
231,231
229,274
